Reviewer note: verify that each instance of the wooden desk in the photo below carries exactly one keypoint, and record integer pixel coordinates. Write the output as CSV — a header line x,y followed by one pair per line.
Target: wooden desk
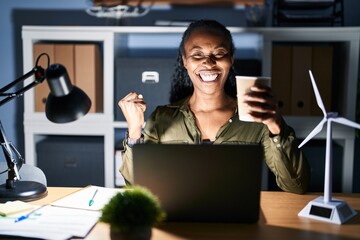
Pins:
x,y
278,220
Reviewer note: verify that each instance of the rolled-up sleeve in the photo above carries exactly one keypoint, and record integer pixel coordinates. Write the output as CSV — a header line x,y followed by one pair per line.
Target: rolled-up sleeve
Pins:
x,y
286,160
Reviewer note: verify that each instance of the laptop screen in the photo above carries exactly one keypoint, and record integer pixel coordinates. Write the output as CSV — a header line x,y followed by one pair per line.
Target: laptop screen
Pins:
x,y
202,183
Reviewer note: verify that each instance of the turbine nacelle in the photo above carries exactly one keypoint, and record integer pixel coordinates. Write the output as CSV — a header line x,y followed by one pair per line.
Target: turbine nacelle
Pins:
x,y
332,115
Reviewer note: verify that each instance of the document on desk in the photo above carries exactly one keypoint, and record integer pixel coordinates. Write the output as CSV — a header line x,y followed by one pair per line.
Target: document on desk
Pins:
x,y
68,217
51,222
88,198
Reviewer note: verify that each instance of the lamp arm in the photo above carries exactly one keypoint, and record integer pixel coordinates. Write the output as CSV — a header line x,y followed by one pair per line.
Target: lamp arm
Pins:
x,y
39,73
13,158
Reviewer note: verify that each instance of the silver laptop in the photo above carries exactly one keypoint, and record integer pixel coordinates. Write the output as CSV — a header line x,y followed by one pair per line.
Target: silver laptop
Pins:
x,y
202,183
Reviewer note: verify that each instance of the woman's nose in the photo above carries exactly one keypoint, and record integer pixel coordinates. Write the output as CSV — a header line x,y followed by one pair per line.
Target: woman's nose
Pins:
x,y
210,59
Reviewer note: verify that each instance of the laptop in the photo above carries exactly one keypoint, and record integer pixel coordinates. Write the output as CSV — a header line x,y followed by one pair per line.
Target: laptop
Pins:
x,y
202,183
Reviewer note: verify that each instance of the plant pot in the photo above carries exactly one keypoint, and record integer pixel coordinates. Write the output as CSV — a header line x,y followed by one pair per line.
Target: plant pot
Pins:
x,y
136,233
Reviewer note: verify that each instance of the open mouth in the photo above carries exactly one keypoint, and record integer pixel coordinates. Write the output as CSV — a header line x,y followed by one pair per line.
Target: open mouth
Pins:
x,y
208,76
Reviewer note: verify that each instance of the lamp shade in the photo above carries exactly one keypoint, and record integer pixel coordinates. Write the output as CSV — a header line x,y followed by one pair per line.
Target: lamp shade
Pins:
x,y
65,103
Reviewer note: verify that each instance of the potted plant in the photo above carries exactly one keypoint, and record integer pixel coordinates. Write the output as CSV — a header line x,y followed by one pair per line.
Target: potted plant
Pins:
x,y
132,214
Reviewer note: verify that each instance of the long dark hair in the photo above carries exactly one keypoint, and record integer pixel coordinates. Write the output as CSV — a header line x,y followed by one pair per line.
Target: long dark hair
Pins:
x,y
181,85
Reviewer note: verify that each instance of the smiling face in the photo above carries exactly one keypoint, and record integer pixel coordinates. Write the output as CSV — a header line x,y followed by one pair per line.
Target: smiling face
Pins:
x,y
207,59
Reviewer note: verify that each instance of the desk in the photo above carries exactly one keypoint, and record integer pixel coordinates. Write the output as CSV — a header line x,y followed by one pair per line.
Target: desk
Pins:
x,y
278,220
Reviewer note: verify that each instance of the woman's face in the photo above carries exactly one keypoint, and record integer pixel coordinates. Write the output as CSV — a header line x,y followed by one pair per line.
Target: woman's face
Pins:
x,y
208,60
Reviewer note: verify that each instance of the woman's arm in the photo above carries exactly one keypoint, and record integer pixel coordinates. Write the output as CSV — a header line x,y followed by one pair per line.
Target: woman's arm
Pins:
x,y
287,161
133,107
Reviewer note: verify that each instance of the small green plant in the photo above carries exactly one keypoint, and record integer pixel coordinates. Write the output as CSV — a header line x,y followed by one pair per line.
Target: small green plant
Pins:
x,y
134,208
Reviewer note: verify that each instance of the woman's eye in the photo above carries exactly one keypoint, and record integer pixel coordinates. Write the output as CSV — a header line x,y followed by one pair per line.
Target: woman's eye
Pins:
x,y
198,55
220,55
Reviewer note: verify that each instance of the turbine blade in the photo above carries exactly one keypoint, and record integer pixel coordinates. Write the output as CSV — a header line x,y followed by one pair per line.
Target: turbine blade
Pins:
x,y
317,94
315,131
346,122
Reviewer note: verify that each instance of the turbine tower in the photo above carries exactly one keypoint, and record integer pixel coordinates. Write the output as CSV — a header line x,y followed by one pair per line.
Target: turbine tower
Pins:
x,y
325,208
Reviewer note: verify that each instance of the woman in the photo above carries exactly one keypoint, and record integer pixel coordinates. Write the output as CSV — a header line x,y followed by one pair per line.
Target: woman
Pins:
x,y
203,109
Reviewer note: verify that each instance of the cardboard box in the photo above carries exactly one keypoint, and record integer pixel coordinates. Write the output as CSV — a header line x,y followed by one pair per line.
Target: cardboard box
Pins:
x,y
89,74
65,55
42,90
83,64
301,89
281,77
322,61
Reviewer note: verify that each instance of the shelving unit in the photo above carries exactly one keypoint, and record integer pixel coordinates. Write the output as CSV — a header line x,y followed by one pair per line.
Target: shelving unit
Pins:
x,y
115,42
36,126
348,38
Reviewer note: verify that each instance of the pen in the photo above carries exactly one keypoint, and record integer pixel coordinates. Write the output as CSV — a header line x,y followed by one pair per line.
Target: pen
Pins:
x,y
91,202
138,99
23,217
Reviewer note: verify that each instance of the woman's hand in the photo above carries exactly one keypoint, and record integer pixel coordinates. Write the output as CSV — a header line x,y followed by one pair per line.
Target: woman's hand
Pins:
x,y
262,106
133,107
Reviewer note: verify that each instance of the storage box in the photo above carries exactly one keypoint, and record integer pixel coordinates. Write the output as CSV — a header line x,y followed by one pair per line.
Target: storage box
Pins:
x,y
42,90
89,74
72,161
291,82
84,65
149,76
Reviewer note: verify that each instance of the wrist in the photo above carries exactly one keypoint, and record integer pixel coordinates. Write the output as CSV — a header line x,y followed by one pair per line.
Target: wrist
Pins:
x,y
135,134
274,127
130,141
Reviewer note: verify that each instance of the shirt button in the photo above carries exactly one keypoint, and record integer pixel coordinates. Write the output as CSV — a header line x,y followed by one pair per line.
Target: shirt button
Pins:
x,y
230,120
275,140
278,145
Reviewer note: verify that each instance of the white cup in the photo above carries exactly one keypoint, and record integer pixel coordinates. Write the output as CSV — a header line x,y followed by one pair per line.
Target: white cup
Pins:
x,y
243,84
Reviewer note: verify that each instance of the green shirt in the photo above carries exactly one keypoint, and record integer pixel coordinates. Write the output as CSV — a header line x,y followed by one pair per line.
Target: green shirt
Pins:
x,y
175,123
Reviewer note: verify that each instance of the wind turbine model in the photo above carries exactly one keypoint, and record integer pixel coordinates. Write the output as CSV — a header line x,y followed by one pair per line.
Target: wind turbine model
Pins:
x,y
325,208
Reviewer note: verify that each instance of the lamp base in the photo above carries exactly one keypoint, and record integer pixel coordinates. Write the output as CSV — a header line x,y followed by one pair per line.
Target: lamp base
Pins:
x,y
23,191
335,211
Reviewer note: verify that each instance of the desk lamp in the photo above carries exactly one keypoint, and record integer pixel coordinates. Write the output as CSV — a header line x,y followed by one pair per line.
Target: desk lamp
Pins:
x,y
325,208
65,103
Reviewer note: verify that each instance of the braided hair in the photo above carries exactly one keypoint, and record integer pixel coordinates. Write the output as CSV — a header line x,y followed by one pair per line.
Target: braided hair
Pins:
x,y
181,85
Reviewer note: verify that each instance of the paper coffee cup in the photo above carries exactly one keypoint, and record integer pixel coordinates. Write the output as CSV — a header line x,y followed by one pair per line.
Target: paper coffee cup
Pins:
x,y
243,84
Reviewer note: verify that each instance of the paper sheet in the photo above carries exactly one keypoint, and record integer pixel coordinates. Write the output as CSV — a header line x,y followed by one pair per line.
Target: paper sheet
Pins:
x,y
13,207
66,218
81,198
51,223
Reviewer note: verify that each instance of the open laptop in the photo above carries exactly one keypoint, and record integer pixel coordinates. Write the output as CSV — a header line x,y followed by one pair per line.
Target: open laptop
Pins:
x,y
202,183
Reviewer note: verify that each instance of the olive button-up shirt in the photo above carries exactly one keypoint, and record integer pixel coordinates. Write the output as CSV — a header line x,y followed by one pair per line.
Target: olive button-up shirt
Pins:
x,y
176,124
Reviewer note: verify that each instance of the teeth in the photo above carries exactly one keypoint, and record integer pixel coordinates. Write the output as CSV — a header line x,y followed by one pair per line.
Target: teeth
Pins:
x,y
208,76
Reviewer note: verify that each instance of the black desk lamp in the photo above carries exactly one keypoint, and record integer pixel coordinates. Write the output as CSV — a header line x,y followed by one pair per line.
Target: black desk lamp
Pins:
x,y
65,103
